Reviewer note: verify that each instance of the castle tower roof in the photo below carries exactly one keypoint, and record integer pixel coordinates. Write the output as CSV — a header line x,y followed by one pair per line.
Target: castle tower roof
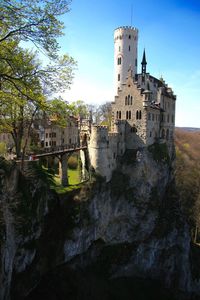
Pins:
x,y
144,63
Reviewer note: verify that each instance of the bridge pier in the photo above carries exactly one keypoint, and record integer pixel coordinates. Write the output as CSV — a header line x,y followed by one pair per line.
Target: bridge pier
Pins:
x,y
63,169
85,172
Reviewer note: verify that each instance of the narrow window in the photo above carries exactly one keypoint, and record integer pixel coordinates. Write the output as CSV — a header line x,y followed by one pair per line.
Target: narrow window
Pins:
x,y
47,136
131,100
118,77
119,61
140,115
119,114
129,37
129,115
126,115
137,115
129,48
149,116
46,144
126,100
136,62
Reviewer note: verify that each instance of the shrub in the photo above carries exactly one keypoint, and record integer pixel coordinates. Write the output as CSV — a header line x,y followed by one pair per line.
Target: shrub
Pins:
x,y
159,152
73,162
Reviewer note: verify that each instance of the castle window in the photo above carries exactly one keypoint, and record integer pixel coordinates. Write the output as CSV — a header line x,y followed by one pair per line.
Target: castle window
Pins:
x,y
129,114
119,114
136,62
137,115
133,129
140,115
126,115
129,37
126,100
119,60
118,77
131,100
129,48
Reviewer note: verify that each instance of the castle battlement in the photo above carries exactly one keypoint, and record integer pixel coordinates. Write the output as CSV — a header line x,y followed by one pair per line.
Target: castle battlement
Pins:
x,y
126,28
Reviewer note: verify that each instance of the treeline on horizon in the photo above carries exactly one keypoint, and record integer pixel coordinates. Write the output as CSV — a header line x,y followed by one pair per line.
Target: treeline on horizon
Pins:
x,y
187,172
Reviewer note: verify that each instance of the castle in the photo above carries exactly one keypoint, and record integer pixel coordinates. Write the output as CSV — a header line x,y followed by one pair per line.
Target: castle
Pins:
x,y
143,111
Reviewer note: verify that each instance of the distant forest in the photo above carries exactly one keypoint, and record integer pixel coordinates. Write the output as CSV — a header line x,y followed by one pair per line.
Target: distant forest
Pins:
x,y
187,171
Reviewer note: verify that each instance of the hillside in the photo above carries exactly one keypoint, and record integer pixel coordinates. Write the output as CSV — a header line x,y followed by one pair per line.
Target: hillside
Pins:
x,y
188,175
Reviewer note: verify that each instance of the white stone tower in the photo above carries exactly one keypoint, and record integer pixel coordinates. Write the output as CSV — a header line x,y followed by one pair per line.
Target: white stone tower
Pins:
x,y
125,53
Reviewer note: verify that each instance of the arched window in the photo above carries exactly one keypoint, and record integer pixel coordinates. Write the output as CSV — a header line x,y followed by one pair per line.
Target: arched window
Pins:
x,y
120,115
129,114
119,60
137,115
133,129
126,115
140,115
131,100
126,100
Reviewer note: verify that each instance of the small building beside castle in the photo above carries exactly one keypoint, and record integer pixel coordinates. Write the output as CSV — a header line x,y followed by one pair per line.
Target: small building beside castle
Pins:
x,y
143,111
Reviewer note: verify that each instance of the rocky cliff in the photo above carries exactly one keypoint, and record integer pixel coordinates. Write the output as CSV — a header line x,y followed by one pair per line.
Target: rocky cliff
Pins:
x,y
110,235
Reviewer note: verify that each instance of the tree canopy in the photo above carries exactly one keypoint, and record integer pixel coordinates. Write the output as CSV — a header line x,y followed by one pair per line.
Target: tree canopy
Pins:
x,y
33,20
25,83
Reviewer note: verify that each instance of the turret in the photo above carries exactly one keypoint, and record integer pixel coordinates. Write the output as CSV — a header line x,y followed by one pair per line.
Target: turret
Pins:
x,y
125,54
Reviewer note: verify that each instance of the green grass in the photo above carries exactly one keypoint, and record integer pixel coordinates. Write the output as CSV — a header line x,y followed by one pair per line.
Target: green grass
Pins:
x,y
74,182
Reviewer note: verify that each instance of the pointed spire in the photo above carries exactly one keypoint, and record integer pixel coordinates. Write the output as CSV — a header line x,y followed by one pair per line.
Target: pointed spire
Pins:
x,y
144,63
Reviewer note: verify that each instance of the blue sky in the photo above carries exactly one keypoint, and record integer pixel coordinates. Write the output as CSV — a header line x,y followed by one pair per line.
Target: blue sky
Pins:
x,y
169,31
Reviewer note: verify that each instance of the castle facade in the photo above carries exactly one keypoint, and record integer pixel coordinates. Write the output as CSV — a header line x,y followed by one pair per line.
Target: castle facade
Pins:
x,y
143,111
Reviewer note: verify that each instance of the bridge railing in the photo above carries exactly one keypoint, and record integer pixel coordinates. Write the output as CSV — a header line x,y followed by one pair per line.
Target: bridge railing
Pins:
x,y
64,147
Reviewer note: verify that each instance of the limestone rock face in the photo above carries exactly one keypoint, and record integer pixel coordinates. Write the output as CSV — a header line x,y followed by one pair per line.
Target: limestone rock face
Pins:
x,y
130,226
